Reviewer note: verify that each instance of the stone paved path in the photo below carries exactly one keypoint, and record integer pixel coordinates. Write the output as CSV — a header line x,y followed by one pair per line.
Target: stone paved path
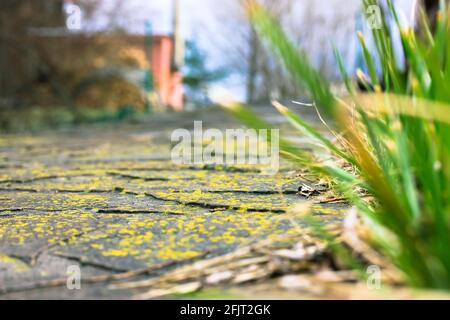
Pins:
x,y
109,199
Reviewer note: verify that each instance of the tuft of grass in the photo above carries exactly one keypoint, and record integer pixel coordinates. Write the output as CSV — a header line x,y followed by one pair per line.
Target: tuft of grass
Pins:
x,y
396,141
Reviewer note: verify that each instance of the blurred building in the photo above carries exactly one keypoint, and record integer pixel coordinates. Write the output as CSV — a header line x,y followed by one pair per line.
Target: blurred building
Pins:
x,y
45,58
165,55
168,80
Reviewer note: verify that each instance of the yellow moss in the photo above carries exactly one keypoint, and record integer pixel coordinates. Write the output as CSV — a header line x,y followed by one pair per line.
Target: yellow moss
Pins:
x,y
148,237
116,253
17,265
97,246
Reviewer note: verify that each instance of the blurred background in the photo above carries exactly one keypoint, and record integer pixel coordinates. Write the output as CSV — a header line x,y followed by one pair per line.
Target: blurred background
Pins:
x,y
74,61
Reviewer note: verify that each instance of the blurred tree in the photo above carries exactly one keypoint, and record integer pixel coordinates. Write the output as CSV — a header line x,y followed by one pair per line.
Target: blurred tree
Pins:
x,y
310,24
44,63
18,20
197,74
264,77
431,8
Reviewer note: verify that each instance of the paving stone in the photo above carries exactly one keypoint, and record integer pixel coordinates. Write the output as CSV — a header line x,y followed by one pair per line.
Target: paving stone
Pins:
x,y
109,199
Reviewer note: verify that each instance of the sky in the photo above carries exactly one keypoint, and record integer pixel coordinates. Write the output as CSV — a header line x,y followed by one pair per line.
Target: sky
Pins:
x,y
133,14
200,21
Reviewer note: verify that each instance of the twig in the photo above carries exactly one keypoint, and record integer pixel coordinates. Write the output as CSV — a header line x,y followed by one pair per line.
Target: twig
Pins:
x,y
96,279
333,200
199,268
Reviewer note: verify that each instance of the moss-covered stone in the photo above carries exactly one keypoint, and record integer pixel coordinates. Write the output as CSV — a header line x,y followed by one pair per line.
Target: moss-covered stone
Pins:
x,y
112,199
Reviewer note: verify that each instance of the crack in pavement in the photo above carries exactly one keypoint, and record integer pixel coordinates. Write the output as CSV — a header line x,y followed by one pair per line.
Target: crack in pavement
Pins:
x,y
119,275
86,262
205,205
120,211
31,180
215,206
133,177
257,192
